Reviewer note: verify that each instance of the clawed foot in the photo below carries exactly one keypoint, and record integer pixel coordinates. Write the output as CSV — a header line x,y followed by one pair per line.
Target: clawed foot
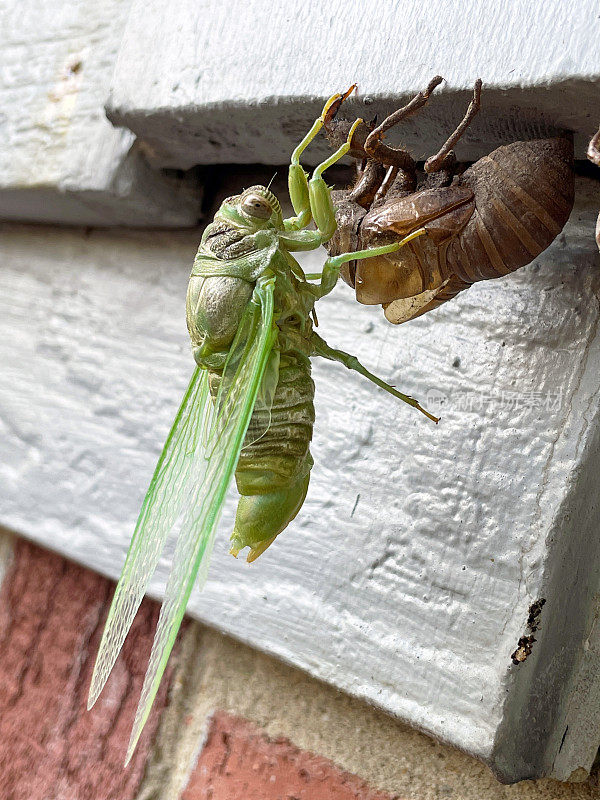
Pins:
x,y
332,106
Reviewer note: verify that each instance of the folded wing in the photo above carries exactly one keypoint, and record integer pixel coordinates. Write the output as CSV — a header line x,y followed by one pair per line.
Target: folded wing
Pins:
x,y
222,442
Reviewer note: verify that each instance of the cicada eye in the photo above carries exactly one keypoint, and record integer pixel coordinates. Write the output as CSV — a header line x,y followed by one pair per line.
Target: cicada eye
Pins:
x,y
256,206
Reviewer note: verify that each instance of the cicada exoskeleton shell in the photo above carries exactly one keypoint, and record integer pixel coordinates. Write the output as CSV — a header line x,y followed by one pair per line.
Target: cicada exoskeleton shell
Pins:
x,y
484,222
499,215
420,265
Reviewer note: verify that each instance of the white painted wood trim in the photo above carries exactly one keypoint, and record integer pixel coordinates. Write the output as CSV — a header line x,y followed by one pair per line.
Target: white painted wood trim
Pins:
x,y
212,82
61,161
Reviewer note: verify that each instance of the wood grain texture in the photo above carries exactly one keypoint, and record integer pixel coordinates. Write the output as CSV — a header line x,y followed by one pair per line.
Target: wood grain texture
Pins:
x,y
51,618
61,160
408,576
191,78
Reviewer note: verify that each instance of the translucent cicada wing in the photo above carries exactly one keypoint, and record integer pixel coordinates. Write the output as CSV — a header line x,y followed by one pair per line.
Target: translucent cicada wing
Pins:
x,y
238,355
225,437
260,421
169,488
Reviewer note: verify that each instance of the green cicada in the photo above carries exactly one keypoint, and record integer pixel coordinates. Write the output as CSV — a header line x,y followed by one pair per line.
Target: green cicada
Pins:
x,y
248,409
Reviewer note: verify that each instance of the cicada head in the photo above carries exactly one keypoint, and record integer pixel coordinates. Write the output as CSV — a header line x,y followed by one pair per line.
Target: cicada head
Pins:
x,y
255,208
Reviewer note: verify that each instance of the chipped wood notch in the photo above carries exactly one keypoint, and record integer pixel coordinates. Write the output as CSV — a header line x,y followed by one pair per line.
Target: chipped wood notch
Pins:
x,y
525,643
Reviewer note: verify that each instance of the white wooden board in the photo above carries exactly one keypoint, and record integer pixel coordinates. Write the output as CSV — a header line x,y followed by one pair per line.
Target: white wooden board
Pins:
x,y
407,577
60,159
206,81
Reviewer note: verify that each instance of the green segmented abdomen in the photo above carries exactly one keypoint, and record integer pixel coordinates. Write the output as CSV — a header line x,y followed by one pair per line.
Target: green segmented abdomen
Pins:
x,y
281,455
273,470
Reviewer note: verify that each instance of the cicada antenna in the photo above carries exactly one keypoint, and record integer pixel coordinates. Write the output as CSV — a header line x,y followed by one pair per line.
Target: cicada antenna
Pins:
x,y
271,181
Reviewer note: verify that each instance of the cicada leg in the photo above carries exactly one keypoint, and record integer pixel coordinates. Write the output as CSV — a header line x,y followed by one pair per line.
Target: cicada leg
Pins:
x,y
297,179
331,268
321,204
445,154
351,362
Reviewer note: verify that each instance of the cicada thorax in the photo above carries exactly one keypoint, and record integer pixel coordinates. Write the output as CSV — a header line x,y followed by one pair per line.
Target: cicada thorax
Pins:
x,y
214,308
215,305
495,218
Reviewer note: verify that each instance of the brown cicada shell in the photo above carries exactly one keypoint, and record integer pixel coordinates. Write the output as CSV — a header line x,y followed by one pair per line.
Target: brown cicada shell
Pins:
x,y
480,223
593,154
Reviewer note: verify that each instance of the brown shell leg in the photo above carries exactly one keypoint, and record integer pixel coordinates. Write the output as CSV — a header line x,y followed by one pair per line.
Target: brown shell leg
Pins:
x,y
440,160
368,184
398,157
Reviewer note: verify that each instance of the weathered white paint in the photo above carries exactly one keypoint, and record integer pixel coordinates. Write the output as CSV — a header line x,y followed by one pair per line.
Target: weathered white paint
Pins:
x,y
192,75
407,576
60,159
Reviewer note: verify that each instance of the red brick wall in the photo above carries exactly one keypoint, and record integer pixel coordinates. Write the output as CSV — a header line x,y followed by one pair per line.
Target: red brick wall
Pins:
x,y
239,761
51,618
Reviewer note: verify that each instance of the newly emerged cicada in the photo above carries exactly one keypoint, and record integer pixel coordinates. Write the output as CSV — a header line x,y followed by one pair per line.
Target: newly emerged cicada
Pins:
x,y
480,223
593,154
248,409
